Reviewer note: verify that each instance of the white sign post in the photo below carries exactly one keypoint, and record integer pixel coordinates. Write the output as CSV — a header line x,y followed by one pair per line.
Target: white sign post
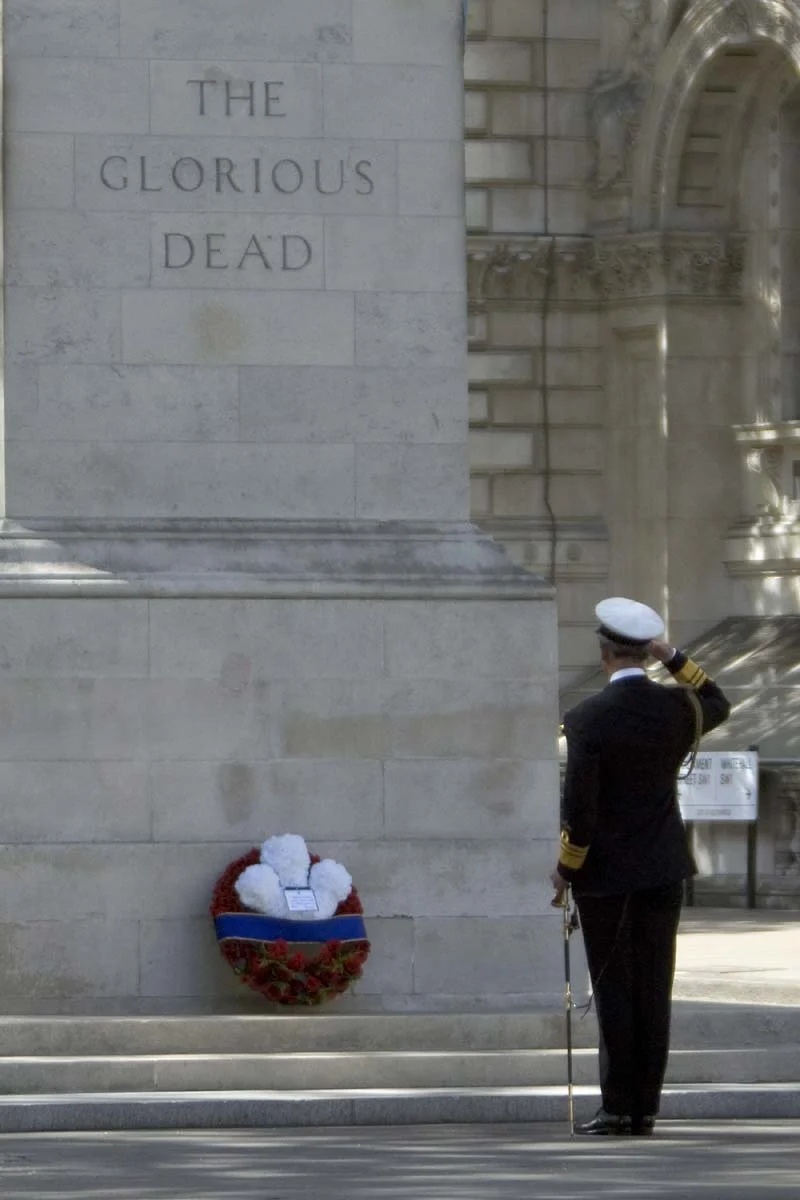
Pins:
x,y
722,787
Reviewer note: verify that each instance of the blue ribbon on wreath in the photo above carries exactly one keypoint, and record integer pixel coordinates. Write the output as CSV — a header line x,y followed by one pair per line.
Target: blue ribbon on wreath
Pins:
x,y
252,927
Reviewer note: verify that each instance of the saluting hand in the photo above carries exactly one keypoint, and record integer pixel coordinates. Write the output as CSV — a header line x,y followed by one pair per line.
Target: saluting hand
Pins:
x,y
661,651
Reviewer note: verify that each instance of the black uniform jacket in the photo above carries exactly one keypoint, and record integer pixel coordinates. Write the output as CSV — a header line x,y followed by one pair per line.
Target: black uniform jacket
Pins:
x,y
621,824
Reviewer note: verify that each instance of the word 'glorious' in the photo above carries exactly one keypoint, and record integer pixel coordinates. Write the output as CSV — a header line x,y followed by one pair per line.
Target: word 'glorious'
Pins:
x,y
256,176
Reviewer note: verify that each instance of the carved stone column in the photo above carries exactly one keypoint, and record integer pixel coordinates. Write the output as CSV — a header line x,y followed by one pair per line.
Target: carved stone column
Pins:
x,y
672,304
633,35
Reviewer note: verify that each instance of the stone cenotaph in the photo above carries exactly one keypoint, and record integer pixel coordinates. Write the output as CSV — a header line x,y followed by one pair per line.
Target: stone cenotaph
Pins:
x,y
240,593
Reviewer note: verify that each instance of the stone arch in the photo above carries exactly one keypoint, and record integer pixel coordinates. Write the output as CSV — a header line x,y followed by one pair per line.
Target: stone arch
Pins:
x,y
707,29
677,11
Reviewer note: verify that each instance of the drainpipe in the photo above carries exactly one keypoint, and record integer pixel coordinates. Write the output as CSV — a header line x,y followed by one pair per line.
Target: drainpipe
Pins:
x,y
550,267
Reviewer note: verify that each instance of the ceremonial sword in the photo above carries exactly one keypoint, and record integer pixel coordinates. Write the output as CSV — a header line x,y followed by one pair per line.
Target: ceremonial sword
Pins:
x,y
569,925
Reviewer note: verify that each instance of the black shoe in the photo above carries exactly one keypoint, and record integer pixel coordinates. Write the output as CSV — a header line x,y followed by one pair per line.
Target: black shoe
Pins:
x,y
643,1126
606,1124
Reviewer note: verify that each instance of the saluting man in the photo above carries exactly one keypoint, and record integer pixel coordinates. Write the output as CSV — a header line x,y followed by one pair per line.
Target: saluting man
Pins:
x,y
625,851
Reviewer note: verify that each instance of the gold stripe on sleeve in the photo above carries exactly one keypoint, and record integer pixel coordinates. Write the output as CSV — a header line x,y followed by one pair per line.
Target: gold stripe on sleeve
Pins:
x,y
572,856
692,674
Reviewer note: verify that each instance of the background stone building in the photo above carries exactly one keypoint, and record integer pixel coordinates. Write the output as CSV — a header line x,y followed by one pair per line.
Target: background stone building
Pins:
x,y
634,282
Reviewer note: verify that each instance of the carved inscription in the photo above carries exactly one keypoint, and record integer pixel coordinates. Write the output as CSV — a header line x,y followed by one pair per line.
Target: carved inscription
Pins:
x,y
288,252
267,96
238,175
251,177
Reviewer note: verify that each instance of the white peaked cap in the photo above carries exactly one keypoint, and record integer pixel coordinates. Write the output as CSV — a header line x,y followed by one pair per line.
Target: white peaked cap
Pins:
x,y
628,622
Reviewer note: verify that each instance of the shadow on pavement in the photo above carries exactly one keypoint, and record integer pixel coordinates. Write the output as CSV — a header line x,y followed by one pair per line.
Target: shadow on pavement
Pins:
x,y
709,1161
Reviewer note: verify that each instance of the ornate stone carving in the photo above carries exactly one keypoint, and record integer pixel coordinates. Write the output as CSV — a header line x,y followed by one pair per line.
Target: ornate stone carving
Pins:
x,y
578,272
709,26
774,22
739,18
618,94
608,268
756,18
713,269
772,470
501,270
769,450
676,10
509,271
630,268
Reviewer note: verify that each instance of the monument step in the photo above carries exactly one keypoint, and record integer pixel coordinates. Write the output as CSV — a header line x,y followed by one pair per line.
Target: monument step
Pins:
x,y
398,1106
699,1024
284,1033
695,1026
399,1069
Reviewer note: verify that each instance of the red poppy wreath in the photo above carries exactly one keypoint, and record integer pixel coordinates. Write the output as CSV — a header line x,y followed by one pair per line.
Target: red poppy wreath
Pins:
x,y
289,923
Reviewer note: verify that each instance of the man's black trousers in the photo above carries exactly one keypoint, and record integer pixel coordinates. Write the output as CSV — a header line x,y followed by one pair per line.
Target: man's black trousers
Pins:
x,y
630,947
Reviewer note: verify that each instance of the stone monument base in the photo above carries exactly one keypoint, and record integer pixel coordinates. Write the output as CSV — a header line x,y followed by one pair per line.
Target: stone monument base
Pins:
x,y
174,693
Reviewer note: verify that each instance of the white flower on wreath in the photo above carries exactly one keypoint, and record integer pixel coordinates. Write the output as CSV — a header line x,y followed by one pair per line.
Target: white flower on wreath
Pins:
x,y
286,863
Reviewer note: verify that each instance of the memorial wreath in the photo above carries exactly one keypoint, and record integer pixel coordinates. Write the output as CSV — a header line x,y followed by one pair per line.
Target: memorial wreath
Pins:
x,y
289,923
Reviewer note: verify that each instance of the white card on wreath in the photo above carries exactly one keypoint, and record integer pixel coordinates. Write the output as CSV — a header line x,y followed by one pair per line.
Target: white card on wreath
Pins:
x,y
301,900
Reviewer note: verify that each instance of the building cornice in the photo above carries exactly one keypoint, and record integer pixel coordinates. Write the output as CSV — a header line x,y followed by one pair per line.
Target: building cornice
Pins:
x,y
630,267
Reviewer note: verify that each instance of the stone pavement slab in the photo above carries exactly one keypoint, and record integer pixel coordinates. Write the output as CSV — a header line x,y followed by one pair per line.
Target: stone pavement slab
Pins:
x,y
683,1161
739,955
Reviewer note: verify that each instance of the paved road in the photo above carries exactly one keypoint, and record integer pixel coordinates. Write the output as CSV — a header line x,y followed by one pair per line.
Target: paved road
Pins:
x,y
709,1161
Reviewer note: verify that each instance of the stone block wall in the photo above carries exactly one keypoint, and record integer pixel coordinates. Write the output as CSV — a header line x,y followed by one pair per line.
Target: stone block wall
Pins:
x,y
234,269
507,77
536,461
146,743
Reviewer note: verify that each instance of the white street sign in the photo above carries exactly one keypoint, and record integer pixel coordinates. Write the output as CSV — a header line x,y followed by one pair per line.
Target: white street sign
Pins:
x,y
722,787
